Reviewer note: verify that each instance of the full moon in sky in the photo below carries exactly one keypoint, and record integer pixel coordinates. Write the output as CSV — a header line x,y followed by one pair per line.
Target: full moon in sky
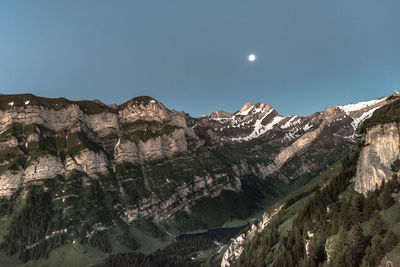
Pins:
x,y
252,57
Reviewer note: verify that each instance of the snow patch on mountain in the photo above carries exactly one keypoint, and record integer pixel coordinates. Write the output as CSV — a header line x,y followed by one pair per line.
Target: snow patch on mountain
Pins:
x,y
290,123
259,128
355,107
363,117
307,127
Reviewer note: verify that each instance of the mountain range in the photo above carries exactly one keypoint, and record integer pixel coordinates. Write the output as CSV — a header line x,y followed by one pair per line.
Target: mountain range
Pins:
x,y
110,179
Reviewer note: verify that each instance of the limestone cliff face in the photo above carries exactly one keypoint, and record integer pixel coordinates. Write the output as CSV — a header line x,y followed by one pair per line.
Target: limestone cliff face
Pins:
x,y
380,149
10,181
26,121
70,117
91,162
44,167
139,141
151,110
45,138
154,148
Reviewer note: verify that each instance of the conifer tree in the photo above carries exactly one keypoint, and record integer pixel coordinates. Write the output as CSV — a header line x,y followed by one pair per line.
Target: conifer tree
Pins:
x,y
390,241
376,225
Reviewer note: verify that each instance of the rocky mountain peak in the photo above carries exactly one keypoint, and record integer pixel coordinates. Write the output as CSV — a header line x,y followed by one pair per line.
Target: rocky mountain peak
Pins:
x,y
250,109
245,107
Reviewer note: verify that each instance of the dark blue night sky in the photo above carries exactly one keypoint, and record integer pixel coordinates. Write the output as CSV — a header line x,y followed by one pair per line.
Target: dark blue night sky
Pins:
x,y
193,55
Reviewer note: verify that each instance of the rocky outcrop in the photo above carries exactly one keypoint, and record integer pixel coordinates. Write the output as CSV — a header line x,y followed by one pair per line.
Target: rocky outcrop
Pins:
x,y
243,168
154,148
10,181
380,149
183,198
90,162
58,120
44,167
301,143
237,244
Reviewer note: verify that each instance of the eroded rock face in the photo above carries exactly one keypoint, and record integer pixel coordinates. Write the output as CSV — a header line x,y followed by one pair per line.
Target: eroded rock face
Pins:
x,y
91,162
44,167
244,168
237,244
184,197
380,150
148,110
10,181
99,125
301,143
154,148
58,120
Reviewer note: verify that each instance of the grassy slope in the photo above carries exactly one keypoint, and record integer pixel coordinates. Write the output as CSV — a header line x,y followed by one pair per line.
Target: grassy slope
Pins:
x,y
391,217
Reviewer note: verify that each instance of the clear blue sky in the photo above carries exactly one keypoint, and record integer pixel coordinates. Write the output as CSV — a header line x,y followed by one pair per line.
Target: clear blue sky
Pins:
x,y
192,55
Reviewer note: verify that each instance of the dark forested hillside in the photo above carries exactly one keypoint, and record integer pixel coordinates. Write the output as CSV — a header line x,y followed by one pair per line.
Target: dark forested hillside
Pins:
x,y
335,225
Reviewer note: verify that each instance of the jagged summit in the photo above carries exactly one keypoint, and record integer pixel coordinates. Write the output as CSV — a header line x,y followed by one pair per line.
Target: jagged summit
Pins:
x,y
248,109
245,107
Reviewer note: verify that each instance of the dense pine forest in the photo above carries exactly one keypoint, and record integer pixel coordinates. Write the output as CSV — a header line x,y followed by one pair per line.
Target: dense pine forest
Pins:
x,y
336,226
177,254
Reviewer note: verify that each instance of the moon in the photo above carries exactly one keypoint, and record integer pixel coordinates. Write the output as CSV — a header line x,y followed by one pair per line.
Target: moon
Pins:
x,y
252,57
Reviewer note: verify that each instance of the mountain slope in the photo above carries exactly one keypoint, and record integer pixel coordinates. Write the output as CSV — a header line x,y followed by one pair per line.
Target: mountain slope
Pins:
x,y
76,170
351,220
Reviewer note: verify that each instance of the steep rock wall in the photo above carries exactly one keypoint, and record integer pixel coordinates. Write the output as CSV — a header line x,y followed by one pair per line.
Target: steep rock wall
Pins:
x,y
380,150
154,148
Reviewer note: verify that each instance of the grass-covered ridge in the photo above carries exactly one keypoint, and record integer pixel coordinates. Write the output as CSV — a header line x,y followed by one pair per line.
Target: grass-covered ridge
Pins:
x,y
23,100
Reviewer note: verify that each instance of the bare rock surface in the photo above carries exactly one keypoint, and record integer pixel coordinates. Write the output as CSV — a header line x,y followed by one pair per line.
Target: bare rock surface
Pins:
x,y
380,150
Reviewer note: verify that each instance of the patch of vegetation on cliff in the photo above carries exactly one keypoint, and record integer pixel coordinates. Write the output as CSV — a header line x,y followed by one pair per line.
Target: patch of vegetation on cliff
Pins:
x,y
11,159
132,182
142,130
79,141
165,175
254,151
